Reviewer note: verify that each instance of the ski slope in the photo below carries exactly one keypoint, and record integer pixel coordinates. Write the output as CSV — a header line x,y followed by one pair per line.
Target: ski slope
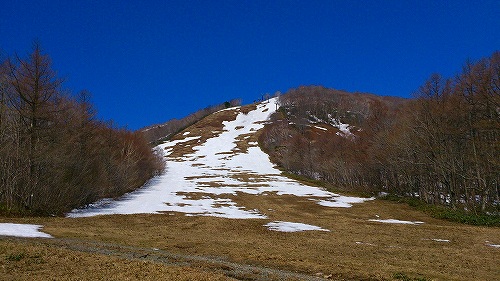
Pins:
x,y
199,183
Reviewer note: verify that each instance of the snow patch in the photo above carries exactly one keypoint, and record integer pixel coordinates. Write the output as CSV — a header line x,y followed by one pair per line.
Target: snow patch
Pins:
x,y
285,226
438,240
340,201
22,230
321,128
397,221
488,243
364,243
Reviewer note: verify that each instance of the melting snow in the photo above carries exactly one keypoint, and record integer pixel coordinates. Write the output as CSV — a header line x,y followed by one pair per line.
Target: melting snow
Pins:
x,y
22,230
344,129
340,201
285,226
440,240
364,243
196,183
492,245
321,128
398,221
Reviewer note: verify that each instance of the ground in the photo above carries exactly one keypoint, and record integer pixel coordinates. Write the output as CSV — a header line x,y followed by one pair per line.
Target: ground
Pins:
x,y
353,249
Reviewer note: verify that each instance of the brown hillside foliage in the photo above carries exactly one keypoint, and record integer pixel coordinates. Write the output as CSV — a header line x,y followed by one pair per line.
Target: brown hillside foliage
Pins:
x,y
442,147
445,146
54,155
297,144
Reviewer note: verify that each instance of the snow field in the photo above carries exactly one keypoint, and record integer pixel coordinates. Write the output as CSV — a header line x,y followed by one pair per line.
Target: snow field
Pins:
x,y
22,230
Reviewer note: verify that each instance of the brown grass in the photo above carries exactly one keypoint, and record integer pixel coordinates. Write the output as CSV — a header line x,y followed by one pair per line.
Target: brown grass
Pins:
x,y
354,249
35,260
209,127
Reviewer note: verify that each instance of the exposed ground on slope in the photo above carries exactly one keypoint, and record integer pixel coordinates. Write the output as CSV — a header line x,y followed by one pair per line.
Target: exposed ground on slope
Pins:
x,y
355,248
209,127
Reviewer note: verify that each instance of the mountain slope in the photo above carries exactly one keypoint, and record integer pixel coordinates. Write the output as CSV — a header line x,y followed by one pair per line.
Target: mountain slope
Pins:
x,y
215,172
212,162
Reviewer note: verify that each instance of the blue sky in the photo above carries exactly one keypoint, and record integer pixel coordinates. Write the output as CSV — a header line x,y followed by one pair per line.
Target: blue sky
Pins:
x,y
146,62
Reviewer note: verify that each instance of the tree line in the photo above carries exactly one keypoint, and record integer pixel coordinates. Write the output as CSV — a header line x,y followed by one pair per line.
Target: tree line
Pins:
x,y
54,154
445,145
442,146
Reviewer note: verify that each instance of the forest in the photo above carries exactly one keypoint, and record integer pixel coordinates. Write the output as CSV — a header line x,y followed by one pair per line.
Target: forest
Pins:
x,y
441,147
54,154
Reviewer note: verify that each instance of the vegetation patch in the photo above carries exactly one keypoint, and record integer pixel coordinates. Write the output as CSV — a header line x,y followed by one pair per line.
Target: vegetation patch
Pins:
x,y
447,213
15,257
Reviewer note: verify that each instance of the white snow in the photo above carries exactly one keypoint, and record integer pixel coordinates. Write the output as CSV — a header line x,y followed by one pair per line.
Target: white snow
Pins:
x,y
488,243
364,243
321,128
285,226
398,221
340,201
334,122
22,230
199,183
344,129
440,240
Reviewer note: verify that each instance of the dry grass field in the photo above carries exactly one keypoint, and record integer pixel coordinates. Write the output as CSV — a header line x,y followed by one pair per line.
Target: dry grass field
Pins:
x,y
353,249
174,246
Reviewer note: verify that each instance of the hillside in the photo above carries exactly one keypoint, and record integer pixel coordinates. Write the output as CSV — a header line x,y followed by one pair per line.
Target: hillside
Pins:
x,y
222,211
164,131
440,148
210,163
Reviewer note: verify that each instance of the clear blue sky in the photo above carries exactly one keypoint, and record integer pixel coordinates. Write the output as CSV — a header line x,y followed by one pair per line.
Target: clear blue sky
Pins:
x,y
146,62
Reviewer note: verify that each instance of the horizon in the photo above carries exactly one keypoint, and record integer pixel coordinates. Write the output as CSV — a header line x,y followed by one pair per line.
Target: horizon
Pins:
x,y
145,64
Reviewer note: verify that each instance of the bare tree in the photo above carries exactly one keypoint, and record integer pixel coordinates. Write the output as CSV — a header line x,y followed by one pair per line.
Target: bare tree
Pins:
x,y
35,88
